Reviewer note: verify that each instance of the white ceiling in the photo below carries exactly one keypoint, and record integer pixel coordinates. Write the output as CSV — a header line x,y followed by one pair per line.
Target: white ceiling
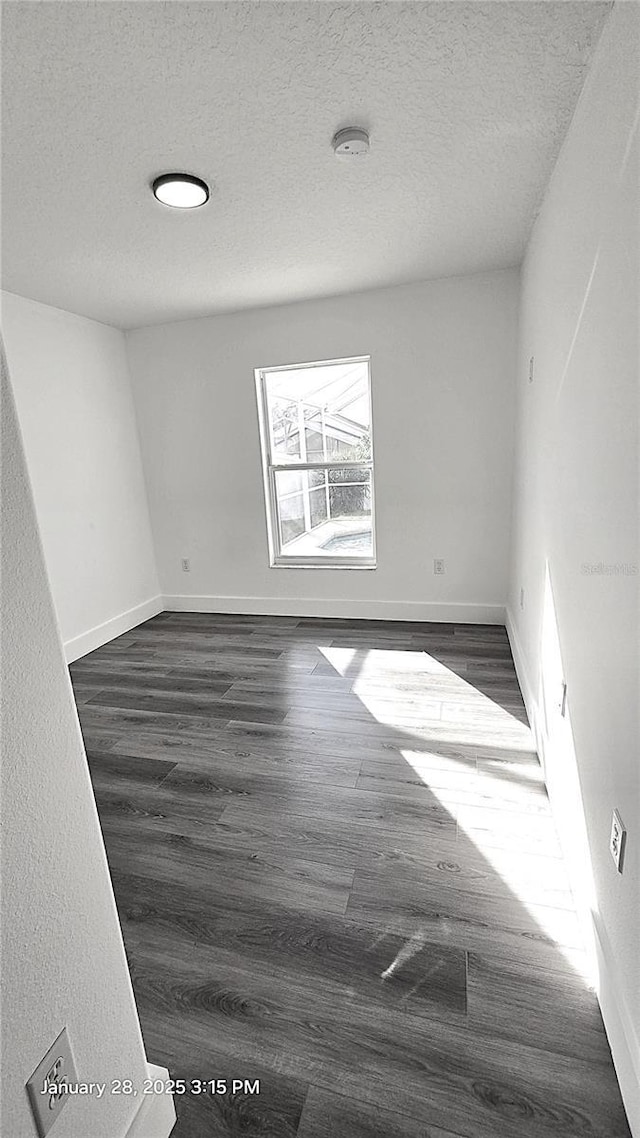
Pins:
x,y
466,104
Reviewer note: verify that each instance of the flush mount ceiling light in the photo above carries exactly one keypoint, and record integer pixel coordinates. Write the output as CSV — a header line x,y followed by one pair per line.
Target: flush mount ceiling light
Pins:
x,y
182,191
352,142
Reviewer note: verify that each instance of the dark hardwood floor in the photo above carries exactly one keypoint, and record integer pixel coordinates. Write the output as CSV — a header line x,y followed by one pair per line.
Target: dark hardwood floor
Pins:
x,y
337,874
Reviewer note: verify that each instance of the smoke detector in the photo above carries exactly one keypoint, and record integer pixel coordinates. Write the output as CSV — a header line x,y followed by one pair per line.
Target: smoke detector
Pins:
x,y
352,142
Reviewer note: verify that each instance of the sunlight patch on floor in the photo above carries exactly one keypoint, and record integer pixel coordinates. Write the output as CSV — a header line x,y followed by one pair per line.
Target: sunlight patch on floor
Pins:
x,y
339,658
517,868
432,702
431,695
379,661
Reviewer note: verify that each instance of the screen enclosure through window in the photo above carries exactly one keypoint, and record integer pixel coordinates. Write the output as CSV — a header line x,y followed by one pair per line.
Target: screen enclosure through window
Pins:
x,y
317,451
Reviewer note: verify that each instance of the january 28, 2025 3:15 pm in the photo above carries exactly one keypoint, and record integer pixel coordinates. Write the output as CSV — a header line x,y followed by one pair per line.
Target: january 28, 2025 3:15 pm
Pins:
x,y
155,1087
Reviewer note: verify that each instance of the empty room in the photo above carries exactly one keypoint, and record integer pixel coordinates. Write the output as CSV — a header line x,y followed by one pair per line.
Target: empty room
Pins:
x,y
320,590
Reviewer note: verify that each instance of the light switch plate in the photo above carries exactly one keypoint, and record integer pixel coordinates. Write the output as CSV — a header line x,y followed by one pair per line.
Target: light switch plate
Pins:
x,y
617,840
46,1087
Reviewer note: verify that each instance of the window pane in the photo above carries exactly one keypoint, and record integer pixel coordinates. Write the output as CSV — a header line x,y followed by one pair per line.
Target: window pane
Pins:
x,y
319,507
325,513
291,515
290,482
319,414
285,429
315,445
349,492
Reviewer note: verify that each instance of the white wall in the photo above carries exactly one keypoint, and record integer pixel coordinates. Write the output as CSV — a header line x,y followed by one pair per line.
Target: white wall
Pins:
x,y
442,358
576,509
77,418
63,962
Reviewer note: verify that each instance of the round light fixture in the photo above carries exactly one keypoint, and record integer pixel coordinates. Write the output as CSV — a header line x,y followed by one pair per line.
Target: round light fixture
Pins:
x,y
352,142
182,191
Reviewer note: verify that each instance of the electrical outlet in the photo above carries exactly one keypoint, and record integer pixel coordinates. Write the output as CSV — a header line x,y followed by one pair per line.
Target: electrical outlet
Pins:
x,y
186,565
531,369
617,841
521,598
48,1083
438,565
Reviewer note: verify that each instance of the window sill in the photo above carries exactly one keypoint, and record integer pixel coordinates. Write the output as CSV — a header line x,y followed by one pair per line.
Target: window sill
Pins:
x,y
321,563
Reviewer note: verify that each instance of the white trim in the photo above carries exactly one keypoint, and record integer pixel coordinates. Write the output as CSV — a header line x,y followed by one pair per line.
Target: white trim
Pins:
x,y
156,1115
522,672
315,363
621,1033
351,464
109,629
520,661
303,562
457,613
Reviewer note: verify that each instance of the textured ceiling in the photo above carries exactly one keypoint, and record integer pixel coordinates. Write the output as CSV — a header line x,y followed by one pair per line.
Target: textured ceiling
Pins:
x,y
466,104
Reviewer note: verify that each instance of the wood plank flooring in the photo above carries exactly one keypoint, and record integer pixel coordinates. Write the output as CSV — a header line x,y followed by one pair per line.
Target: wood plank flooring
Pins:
x,y
337,873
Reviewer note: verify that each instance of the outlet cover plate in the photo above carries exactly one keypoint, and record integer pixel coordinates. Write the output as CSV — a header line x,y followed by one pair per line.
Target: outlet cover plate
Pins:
x,y
617,840
438,566
56,1069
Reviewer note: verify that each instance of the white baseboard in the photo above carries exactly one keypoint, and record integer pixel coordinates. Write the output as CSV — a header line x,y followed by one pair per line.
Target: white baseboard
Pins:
x,y
109,629
621,1033
524,680
276,606
520,662
156,1116
350,609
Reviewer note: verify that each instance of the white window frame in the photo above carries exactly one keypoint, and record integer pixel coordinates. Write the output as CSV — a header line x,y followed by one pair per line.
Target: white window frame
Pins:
x,y
277,559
